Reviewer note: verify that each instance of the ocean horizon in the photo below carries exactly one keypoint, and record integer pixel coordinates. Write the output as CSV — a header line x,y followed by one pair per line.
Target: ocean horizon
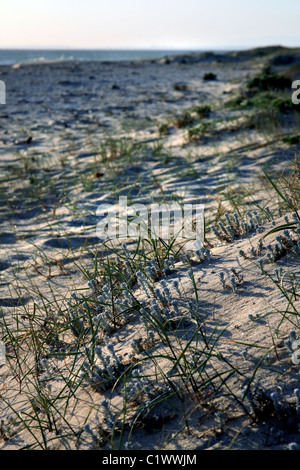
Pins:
x,y
17,56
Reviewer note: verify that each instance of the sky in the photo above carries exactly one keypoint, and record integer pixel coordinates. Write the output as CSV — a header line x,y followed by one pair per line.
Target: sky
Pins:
x,y
147,24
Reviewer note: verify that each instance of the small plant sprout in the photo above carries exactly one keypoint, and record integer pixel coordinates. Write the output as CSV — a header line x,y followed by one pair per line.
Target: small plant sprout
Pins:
x,y
253,317
257,218
153,269
102,376
296,352
296,218
287,235
167,294
268,359
186,258
261,265
108,415
268,211
279,273
202,254
227,233
260,246
88,432
167,267
270,252
144,284
252,251
159,296
222,279
245,354
235,280
139,345
93,285
274,397
288,344
293,335
233,283
177,288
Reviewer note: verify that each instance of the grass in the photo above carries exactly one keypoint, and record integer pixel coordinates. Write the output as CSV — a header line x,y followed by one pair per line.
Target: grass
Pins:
x,y
203,129
184,120
111,149
163,129
53,353
268,94
202,111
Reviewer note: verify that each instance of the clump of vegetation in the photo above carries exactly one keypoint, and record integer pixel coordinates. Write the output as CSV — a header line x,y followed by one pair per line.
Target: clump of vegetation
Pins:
x,y
111,149
163,129
102,376
283,59
209,76
291,139
236,227
268,92
292,72
180,87
284,105
203,129
185,120
202,111
268,80
268,103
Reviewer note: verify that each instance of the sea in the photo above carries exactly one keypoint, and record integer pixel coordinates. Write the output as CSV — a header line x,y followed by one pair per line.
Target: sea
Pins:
x,y
19,56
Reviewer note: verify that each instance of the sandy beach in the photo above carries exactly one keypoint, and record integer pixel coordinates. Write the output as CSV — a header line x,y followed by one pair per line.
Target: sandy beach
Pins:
x,y
151,346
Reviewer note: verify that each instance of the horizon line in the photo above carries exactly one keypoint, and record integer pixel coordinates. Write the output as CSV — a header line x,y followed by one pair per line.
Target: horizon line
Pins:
x,y
150,48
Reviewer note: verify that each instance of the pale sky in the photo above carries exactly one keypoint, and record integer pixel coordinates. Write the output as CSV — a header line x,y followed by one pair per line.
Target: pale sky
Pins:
x,y
143,24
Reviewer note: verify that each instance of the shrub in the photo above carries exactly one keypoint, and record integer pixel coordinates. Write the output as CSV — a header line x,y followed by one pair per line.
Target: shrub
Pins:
x,y
202,111
267,80
291,139
209,76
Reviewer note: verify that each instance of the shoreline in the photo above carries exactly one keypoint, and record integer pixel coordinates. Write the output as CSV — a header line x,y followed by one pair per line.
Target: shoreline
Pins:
x,y
188,55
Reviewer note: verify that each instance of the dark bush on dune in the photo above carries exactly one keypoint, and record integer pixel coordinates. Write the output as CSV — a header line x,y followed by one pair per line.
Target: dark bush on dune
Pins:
x,y
209,76
268,80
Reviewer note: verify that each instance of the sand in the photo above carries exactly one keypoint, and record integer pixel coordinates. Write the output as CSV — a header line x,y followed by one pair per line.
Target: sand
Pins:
x,y
74,135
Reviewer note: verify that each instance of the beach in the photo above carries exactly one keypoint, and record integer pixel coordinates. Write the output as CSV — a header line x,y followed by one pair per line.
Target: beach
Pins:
x,y
220,372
